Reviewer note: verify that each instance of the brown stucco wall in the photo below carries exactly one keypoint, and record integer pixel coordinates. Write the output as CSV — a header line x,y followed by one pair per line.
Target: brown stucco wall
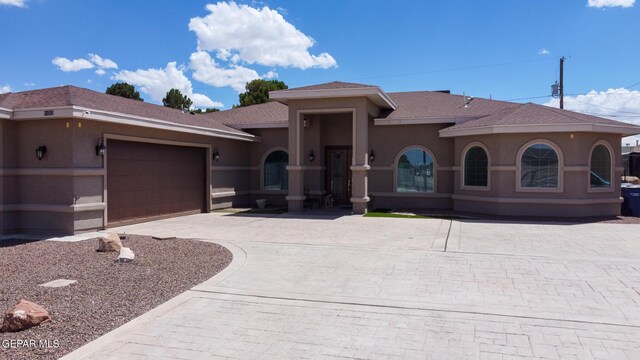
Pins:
x,y
271,139
502,197
303,176
38,196
43,192
388,143
8,186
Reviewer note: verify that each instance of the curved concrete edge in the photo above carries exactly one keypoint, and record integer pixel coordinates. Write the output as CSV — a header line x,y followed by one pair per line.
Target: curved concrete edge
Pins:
x,y
238,262
117,337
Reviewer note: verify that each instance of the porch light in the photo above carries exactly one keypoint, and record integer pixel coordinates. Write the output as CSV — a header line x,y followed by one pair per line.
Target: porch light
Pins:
x,y
216,155
40,151
311,156
372,156
101,150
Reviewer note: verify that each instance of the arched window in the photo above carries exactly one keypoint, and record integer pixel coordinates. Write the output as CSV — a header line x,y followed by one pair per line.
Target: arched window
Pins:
x,y
415,171
539,167
600,174
275,171
476,167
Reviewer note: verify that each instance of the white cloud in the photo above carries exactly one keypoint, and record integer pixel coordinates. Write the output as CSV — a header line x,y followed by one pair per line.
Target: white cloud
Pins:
x,y
616,104
256,36
272,74
619,102
5,89
67,65
30,84
156,83
610,3
544,51
102,62
18,3
206,70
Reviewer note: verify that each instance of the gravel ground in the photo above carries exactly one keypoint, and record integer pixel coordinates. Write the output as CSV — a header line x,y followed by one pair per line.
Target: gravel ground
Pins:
x,y
107,294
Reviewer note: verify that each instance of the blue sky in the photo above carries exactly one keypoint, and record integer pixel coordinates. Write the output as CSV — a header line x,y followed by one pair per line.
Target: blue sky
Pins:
x,y
502,48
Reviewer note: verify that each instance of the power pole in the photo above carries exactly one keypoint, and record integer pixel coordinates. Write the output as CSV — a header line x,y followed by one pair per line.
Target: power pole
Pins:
x,y
562,82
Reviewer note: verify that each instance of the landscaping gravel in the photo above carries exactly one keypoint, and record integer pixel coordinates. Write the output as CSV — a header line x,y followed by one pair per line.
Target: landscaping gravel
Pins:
x,y
107,294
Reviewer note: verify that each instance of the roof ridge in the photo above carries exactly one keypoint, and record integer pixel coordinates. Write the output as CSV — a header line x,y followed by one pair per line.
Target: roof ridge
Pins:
x,y
508,110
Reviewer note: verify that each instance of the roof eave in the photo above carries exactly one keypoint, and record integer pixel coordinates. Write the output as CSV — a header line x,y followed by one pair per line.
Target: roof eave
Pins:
x,y
281,125
375,94
126,119
424,120
624,130
5,113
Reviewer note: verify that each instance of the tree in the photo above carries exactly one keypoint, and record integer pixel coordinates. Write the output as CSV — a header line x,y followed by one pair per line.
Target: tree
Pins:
x,y
125,90
207,110
175,99
258,91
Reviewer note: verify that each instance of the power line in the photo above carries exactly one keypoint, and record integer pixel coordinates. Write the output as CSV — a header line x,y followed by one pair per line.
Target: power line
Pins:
x,y
529,98
444,70
636,84
608,108
613,115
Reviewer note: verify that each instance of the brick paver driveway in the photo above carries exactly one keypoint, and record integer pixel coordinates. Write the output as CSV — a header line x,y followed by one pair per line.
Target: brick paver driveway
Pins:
x,y
353,287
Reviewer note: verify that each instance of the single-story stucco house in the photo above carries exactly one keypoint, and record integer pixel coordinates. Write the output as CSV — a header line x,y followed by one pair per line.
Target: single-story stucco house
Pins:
x,y
75,160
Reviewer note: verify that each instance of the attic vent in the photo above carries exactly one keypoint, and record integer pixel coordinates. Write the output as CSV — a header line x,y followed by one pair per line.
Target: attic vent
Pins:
x,y
48,113
467,100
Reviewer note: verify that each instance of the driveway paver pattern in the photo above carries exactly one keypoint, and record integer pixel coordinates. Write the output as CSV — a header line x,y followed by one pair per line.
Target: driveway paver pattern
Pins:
x,y
366,288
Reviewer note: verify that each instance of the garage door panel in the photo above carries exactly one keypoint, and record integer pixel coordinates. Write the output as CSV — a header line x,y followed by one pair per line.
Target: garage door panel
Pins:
x,y
152,180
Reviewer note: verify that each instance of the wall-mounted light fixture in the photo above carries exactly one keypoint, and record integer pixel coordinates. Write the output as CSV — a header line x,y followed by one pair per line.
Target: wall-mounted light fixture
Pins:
x,y
216,155
312,156
40,151
101,150
372,156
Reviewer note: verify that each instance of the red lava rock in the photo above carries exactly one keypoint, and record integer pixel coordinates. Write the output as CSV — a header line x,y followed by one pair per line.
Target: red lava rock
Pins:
x,y
24,315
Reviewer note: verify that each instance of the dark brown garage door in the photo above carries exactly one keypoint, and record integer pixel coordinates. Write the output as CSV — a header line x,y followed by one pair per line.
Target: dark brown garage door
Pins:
x,y
147,181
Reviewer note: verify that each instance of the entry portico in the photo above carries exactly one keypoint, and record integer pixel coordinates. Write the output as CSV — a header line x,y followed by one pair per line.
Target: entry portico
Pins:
x,y
321,118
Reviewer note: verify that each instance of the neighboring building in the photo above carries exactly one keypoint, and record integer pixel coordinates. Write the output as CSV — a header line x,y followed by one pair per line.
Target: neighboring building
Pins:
x,y
365,147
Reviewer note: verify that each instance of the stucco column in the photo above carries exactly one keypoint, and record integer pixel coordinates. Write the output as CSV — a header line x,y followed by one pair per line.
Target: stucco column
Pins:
x,y
360,162
296,197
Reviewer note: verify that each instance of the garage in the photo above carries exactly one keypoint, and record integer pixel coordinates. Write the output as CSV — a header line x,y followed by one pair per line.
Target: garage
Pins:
x,y
148,181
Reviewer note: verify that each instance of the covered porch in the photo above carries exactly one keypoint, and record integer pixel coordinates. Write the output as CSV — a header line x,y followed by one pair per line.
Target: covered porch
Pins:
x,y
328,143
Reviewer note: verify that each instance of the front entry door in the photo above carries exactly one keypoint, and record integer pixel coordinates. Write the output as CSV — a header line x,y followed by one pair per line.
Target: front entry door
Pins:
x,y
338,181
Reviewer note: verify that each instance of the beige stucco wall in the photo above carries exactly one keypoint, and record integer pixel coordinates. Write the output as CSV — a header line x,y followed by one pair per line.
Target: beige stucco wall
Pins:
x,y
39,196
64,192
302,140
272,139
8,187
388,143
573,199
35,196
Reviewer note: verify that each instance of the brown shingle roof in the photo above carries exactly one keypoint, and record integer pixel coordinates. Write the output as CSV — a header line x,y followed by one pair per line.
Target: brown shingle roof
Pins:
x,y
331,85
433,104
533,114
70,95
270,113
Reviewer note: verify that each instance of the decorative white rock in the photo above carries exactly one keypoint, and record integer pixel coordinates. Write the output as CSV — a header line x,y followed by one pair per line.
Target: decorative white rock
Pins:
x,y
59,283
126,255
